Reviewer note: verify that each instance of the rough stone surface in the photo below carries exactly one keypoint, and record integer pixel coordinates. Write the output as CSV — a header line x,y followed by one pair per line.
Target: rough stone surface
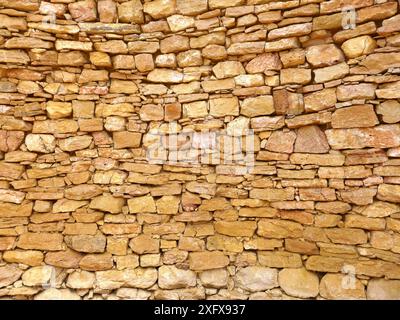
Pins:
x,y
299,283
202,149
257,278
341,287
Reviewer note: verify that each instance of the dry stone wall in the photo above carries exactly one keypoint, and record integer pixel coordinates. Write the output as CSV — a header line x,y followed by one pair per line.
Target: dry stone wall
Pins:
x,y
192,149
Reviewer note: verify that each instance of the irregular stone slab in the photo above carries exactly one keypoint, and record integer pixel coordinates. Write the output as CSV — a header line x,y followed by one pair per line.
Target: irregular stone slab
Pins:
x,y
160,8
377,63
216,278
165,75
41,241
389,192
107,203
54,28
320,100
281,141
8,275
27,43
311,139
294,30
170,277
118,28
341,287
299,282
381,289
318,159
334,72
324,55
87,243
37,276
357,91
358,46
14,56
28,257
200,261
255,279
360,116
57,294
85,10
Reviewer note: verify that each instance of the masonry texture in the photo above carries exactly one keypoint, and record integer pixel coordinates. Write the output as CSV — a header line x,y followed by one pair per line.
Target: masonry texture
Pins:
x,y
89,87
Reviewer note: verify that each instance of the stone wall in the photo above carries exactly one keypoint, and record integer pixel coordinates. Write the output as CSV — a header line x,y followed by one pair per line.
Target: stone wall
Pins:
x,y
191,149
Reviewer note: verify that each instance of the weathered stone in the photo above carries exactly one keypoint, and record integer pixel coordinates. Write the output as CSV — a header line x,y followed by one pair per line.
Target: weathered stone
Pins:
x,y
286,102
383,136
220,107
195,7
144,62
279,229
143,47
359,46
326,74
264,62
95,262
37,276
81,280
83,10
28,257
41,241
142,278
179,22
107,10
299,282
236,229
200,261
295,76
338,286
40,143
311,139
168,205
346,235
87,243
107,203
174,43
57,294
142,204
324,55
216,278
228,69
160,8
151,112
8,275
380,289
170,277
15,23
294,30
64,259
57,110
257,106
165,75
281,142
255,279
320,100
388,192
279,259
131,12
75,143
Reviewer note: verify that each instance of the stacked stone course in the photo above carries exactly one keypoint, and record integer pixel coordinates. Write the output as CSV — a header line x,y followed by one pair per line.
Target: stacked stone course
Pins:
x,y
88,87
